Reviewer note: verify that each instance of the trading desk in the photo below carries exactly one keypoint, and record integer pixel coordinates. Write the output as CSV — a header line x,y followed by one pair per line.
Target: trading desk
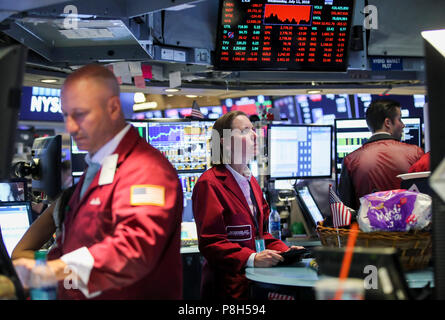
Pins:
x,y
297,282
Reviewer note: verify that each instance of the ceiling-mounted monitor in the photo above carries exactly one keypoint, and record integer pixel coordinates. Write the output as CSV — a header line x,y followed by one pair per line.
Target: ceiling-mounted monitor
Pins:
x,y
303,35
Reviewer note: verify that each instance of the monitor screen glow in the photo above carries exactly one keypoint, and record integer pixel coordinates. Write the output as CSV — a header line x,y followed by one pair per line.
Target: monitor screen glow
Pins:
x,y
299,151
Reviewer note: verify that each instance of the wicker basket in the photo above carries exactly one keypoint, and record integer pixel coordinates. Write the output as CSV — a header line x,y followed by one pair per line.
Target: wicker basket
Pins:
x,y
415,248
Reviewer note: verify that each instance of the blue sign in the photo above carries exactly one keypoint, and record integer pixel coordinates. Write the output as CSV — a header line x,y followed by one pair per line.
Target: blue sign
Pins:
x,y
386,64
43,104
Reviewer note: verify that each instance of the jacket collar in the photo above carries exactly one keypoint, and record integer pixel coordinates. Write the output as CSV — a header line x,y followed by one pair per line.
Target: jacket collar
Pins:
x,y
379,137
127,143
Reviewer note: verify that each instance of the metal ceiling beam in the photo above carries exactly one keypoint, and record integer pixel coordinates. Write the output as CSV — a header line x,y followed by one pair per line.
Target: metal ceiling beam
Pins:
x,y
141,7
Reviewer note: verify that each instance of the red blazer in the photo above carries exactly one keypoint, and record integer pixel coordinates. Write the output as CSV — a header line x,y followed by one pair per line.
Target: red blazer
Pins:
x,y
226,232
136,249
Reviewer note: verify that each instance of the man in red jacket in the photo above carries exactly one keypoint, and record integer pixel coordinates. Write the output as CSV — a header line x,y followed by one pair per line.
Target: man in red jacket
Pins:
x,y
375,165
120,232
231,213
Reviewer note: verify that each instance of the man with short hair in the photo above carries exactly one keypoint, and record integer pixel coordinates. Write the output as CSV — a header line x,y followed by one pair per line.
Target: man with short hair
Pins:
x,y
120,232
375,165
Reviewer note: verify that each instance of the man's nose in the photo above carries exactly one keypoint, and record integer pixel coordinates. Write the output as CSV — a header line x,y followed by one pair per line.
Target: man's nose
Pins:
x,y
71,125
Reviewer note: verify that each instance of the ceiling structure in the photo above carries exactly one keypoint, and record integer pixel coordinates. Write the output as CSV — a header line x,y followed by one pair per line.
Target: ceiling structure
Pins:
x,y
146,30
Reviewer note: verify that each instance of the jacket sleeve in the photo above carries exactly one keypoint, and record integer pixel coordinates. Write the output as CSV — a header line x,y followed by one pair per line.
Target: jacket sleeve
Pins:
x,y
346,189
213,243
142,234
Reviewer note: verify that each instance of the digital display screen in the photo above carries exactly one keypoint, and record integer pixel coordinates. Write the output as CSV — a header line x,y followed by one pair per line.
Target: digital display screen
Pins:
x,y
287,108
351,134
185,144
411,105
304,35
310,204
254,105
15,220
323,109
188,181
300,151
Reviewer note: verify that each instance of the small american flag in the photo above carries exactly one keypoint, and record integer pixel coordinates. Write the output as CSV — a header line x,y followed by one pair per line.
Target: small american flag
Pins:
x,y
196,112
341,215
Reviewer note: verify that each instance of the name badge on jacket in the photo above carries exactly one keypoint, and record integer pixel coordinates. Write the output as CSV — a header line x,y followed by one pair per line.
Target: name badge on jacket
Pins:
x,y
108,169
239,233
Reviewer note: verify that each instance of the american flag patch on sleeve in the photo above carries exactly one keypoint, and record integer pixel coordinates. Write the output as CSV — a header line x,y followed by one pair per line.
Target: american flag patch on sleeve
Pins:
x,y
147,195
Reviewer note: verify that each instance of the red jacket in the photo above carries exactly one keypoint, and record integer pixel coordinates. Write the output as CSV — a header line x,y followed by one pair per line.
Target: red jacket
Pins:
x,y
136,248
226,232
422,165
374,167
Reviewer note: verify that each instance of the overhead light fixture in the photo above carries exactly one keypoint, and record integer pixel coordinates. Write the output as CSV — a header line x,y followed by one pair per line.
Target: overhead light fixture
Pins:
x,y
436,39
49,80
313,91
139,97
139,107
172,90
191,96
170,95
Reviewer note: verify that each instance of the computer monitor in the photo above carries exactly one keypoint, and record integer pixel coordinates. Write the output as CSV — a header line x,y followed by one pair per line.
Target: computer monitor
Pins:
x,y
300,151
323,109
188,181
311,35
12,66
411,105
186,144
350,134
141,127
78,164
13,190
387,281
15,219
309,206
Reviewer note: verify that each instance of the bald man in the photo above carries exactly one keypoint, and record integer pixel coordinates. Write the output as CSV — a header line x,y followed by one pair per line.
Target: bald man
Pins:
x,y
120,232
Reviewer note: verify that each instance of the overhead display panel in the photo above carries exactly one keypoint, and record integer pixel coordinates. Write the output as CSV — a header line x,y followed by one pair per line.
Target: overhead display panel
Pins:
x,y
294,35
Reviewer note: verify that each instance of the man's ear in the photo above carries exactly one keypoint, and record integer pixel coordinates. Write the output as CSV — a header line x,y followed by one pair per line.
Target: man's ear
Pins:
x,y
387,123
114,107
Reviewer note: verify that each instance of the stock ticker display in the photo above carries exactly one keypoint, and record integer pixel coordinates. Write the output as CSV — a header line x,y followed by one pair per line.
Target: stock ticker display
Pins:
x,y
306,35
185,144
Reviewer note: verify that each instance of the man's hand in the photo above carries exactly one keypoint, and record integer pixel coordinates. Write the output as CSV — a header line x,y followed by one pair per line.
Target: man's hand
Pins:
x,y
267,258
24,266
295,248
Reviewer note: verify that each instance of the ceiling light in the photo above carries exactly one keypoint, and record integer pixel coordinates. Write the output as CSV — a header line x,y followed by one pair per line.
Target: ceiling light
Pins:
x,y
139,97
172,90
49,80
191,96
170,95
313,91
144,106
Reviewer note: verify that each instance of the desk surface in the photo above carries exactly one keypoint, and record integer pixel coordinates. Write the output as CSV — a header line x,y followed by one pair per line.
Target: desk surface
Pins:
x,y
303,276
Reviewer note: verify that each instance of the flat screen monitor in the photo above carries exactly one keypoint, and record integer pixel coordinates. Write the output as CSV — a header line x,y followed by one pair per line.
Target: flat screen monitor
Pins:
x,y
15,219
186,144
380,269
212,112
323,109
12,66
300,151
13,190
309,206
287,107
350,134
411,105
251,105
311,35
188,181
78,164
141,127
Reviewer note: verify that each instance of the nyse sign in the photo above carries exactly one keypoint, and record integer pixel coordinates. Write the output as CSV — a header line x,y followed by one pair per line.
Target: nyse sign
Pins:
x,y
45,104
41,104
